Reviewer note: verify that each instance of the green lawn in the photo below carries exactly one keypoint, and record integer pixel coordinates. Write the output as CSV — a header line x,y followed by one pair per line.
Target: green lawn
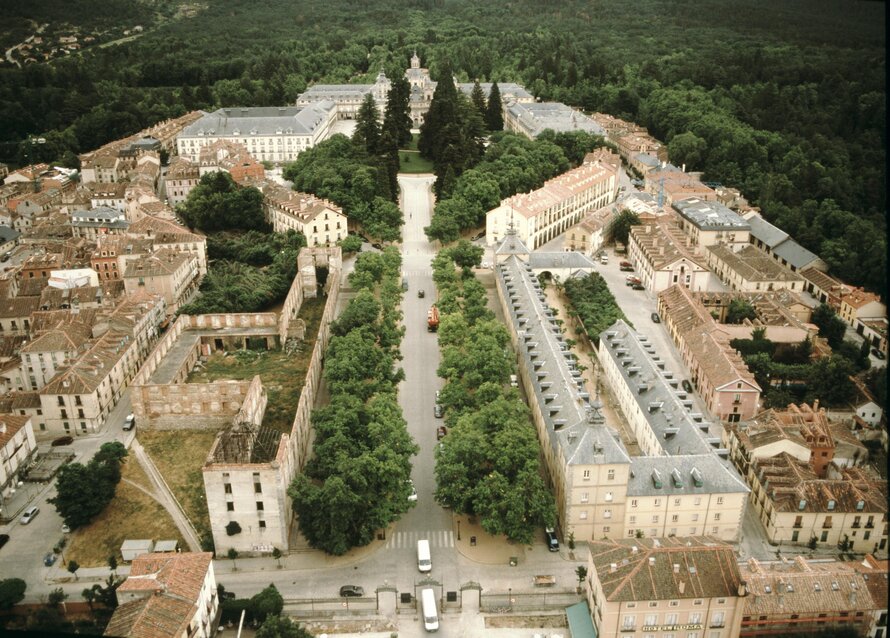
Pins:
x,y
412,162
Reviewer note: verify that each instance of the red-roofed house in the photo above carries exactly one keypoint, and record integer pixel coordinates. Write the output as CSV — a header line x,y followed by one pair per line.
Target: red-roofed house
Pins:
x,y
167,594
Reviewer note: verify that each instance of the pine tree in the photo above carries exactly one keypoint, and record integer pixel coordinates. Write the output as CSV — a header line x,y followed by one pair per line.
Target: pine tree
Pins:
x,y
397,115
478,99
367,127
443,111
494,116
389,164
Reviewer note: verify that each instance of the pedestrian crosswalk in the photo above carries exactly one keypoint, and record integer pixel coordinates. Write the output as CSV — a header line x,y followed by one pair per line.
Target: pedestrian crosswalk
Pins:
x,y
421,272
405,540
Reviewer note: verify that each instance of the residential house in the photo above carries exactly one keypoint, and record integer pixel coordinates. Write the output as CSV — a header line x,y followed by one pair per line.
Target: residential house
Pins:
x,y
15,315
709,223
182,176
320,221
683,586
824,287
101,220
112,252
168,595
232,158
171,274
47,353
8,239
110,195
859,304
590,234
171,235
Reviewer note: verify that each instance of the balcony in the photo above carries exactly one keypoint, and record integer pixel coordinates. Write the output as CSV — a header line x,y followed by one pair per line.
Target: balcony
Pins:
x,y
717,624
797,525
869,526
628,629
855,525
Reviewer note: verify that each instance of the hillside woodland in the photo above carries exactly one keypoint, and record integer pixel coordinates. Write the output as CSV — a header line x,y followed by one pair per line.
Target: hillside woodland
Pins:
x,y
784,100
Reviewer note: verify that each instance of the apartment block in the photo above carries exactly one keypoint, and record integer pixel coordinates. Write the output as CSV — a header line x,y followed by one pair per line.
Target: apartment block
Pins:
x,y
171,274
182,176
663,256
546,213
17,447
751,270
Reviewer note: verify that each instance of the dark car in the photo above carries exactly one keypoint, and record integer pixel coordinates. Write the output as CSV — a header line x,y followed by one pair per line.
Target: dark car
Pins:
x,y
656,318
352,591
49,560
62,440
4,538
441,432
421,294
877,353
438,412
552,541
686,385
638,287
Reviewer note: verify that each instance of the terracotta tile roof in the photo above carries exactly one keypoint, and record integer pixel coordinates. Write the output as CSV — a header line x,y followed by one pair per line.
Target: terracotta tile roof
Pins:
x,y
859,297
163,262
559,189
706,565
69,337
718,360
823,281
152,227
20,307
10,424
45,320
791,482
663,243
85,374
151,617
805,588
752,264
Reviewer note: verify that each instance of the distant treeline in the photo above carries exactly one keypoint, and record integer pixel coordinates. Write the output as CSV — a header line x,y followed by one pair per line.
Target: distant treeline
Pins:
x,y
784,100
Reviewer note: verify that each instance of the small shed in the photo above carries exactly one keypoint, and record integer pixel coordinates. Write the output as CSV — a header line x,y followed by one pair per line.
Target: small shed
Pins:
x,y
131,548
166,546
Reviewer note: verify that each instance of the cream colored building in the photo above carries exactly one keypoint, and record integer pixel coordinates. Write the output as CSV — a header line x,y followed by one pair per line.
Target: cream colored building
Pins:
x,y
795,505
671,587
170,235
542,215
860,304
601,491
273,134
751,270
171,274
182,176
321,222
663,256
17,447
46,354
710,223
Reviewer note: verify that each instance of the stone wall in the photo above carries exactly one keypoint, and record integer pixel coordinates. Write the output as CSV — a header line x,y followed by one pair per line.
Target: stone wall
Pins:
x,y
160,351
204,406
234,320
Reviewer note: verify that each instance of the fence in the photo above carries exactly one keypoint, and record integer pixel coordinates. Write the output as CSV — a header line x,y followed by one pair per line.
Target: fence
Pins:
x,y
513,601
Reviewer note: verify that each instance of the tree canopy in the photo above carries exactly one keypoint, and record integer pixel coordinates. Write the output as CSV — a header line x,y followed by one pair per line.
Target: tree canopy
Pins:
x,y
83,491
218,203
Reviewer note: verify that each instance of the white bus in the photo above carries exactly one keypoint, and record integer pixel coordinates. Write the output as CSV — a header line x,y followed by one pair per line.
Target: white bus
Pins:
x,y
428,606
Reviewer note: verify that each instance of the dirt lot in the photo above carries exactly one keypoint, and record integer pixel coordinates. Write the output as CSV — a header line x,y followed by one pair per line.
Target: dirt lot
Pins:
x,y
179,456
131,514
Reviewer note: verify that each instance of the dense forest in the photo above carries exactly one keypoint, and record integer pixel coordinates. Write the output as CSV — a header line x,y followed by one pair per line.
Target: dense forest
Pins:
x,y
784,100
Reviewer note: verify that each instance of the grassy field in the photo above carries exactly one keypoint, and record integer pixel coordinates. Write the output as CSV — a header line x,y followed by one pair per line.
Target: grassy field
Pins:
x,y
412,162
131,514
282,374
179,456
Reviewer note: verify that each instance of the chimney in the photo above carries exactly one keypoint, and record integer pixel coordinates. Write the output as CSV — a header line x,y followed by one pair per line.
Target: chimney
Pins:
x,y
613,567
652,561
682,586
743,589
676,568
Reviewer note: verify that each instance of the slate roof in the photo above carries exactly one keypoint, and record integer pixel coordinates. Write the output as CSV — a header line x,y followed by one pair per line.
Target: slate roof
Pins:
x,y
537,117
8,234
710,215
260,121
572,259
795,254
761,229
642,569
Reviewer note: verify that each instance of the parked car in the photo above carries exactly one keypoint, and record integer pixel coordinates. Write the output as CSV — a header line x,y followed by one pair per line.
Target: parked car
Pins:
x,y
4,538
413,495
552,541
352,591
29,514
62,440
638,286
630,280
130,422
421,294
438,412
49,560
441,432
626,264
686,385
65,529
878,353
626,268
655,318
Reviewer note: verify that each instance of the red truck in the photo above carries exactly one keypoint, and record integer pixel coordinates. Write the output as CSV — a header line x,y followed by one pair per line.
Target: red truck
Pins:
x,y
432,319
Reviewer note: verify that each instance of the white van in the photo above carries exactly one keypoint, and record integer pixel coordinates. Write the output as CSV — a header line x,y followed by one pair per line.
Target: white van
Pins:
x,y
428,606
424,561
